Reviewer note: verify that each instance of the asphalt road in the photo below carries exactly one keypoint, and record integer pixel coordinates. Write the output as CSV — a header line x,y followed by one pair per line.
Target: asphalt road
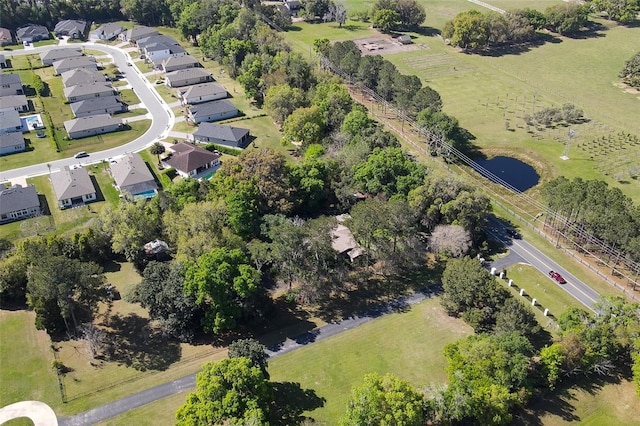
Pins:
x,y
162,116
139,399
531,255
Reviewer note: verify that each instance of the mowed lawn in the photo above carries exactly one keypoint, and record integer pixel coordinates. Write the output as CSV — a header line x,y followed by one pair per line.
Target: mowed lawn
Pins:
x,y
25,361
407,344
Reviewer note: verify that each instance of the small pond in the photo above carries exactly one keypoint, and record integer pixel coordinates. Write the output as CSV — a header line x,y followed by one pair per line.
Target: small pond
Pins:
x,y
516,173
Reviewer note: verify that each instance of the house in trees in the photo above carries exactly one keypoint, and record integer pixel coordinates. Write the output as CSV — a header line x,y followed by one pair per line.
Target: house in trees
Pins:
x,y
31,33
17,203
343,241
132,176
103,105
50,56
191,161
175,63
82,76
81,62
108,31
16,102
10,84
212,111
73,28
73,187
5,37
187,77
200,93
92,125
11,143
158,52
86,91
235,137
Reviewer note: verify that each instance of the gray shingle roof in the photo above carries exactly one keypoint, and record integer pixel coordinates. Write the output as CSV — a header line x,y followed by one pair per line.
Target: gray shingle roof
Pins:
x,y
69,183
227,133
31,30
88,89
5,35
11,139
57,54
109,28
180,60
213,107
70,27
202,89
90,122
82,76
156,39
12,101
9,79
80,61
18,198
94,104
9,119
136,33
131,170
185,74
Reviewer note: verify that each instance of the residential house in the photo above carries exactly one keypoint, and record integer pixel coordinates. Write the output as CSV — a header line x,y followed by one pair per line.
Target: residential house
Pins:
x,y
93,106
143,42
5,37
343,241
86,91
3,61
200,93
189,160
15,102
73,28
158,52
92,125
17,203
82,76
212,111
31,33
235,137
81,62
73,187
11,143
187,77
293,6
108,31
136,33
174,63
133,176
10,84
10,121
50,56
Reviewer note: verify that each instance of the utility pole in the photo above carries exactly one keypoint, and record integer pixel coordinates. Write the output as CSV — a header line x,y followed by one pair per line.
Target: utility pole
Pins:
x,y
565,153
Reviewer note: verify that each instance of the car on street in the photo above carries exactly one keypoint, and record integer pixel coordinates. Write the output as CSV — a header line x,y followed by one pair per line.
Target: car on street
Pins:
x,y
81,154
513,233
557,277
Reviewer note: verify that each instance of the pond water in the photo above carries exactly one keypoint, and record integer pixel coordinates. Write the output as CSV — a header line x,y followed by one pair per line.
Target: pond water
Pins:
x,y
516,173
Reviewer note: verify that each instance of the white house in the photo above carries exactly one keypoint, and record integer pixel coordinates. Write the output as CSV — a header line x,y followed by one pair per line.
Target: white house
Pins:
x,y
15,102
73,187
187,77
174,63
133,176
86,91
102,105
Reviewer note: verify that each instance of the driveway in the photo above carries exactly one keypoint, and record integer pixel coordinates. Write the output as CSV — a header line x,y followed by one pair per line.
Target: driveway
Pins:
x,y
162,116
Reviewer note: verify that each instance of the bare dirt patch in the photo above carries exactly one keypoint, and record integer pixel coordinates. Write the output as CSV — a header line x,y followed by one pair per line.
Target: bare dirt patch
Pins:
x,y
383,44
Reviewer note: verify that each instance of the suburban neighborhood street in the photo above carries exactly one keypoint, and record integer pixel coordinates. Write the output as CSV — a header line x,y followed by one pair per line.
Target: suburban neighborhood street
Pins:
x,y
160,113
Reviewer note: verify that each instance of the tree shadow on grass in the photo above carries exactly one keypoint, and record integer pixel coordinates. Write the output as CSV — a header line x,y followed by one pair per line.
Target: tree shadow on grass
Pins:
x,y
291,401
132,341
561,402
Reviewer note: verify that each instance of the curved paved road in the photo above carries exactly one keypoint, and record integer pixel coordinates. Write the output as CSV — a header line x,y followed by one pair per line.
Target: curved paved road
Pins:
x,y
531,255
161,115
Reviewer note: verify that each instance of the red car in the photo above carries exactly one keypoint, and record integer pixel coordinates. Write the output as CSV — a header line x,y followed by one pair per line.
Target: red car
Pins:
x,y
557,277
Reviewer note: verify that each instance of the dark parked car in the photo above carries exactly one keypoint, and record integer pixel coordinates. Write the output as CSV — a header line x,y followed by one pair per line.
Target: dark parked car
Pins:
x,y
557,277
513,233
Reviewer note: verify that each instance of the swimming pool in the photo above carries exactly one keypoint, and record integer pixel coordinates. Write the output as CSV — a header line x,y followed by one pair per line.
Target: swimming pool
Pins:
x,y
31,122
146,194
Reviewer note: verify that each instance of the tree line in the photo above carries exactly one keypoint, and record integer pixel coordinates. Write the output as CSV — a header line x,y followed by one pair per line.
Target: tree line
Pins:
x,y
630,74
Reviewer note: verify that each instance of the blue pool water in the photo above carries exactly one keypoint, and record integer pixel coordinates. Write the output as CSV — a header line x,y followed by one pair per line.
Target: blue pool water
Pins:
x,y
147,194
